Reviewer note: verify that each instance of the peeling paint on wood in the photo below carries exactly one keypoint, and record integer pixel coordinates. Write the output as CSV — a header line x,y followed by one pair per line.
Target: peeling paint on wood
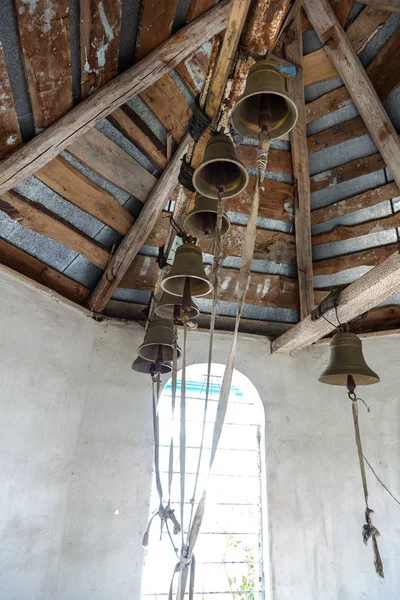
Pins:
x,y
99,37
350,170
370,257
45,40
346,232
10,136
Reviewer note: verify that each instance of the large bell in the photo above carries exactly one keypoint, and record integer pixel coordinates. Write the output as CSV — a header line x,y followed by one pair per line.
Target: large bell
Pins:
x,y
347,360
141,365
220,169
170,307
201,221
158,342
265,104
186,272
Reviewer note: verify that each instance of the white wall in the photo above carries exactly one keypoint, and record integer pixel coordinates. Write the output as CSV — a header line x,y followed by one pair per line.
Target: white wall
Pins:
x,y
75,443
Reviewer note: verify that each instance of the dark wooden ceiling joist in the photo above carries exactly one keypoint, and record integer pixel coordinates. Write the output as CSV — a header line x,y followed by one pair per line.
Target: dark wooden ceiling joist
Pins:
x,y
78,189
45,41
365,258
36,153
36,270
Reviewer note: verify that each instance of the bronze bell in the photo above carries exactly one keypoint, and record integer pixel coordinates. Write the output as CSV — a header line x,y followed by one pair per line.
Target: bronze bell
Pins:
x,y
141,365
220,169
170,307
347,360
201,221
186,272
158,342
265,104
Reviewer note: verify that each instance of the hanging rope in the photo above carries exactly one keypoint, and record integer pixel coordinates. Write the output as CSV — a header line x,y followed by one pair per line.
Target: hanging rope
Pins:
x,y
164,512
369,530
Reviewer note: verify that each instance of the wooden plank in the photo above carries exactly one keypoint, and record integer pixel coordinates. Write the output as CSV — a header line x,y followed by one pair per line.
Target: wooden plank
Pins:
x,y
137,131
346,232
350,170
263,26
31,267
380,319
274,291
298,138
357,82
276,200
363,200
10,136
279,161
198,8
169,106
139,232
39,151
44,32
104,156
193,71
360,32
72,185
100,24
319,67
37,217
337,134
373,288
342,9
276,246
365,258
155,25
392,5
384,71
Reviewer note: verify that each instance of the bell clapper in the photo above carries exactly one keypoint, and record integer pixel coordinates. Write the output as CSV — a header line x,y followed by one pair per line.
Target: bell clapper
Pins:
x,y
207,224
159,359
177,313
187,296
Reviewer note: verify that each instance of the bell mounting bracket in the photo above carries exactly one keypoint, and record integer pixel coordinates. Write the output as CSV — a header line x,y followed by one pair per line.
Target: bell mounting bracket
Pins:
x,y
327,304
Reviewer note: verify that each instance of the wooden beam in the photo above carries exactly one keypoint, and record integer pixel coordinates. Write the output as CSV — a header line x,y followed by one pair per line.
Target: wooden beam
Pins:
x,y
197,8
346,232
365,258
72,185
100,25
298,138
44,32
31,267
337,134
37,217
319,67
357,82
39,151
10,136
383,71
155,25
363,200
101,154
392,5
373,288
264,25
139,232
351,170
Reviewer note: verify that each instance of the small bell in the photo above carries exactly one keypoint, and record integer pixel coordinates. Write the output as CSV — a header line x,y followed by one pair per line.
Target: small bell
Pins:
x,y
220,169
187,276
201,221
170,307
141,365
158,342
265,104
347,359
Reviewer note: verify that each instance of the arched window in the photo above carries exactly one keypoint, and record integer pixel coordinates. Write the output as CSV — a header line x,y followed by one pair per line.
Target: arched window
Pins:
x,y
230,548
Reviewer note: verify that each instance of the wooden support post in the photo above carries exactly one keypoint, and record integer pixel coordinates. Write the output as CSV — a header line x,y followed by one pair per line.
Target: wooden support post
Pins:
x,y
298,138
39,151
342,54
139,232
373,288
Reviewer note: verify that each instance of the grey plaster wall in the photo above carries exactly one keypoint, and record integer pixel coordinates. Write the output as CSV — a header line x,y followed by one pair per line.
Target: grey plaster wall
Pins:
x,y
76,451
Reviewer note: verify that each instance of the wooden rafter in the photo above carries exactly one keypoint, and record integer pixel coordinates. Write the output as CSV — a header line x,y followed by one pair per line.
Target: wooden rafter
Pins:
x,y
364,96
39,151
392,5
294,52
373,288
